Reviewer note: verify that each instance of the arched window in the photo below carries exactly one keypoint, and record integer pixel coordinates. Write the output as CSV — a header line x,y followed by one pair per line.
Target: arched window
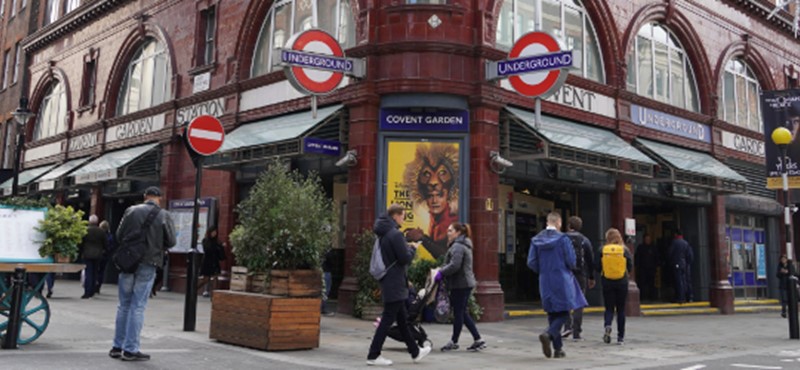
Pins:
x,y
740,96
659,68
288,17
565,19
147,79
52,117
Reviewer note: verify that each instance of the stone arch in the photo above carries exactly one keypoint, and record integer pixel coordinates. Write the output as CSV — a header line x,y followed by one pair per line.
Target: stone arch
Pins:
x,y
52,75
132,42
752,59
681,27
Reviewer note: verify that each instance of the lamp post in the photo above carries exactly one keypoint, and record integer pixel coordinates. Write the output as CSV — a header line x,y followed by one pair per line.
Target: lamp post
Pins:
x,y
782,137
21,115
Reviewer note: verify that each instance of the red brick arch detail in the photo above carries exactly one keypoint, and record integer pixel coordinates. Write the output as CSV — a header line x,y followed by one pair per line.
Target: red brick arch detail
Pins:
x,y
129,47
53,74
751,57
681,27
251,29
604,26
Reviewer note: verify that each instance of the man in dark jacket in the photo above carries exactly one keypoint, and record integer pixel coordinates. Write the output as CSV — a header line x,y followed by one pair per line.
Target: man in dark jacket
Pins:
x,y
646,258
397,256
584,273
92,248
134,289
681,256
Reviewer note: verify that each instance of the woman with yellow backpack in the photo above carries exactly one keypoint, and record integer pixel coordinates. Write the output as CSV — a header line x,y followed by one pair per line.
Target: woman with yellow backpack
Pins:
x,y
615,264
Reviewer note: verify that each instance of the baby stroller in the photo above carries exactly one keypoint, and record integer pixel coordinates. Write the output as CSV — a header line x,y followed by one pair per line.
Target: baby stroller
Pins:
x,y
415,304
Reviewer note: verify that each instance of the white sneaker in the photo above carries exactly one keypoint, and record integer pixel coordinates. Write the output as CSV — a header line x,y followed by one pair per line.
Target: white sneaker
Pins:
x,y
424,351
382,361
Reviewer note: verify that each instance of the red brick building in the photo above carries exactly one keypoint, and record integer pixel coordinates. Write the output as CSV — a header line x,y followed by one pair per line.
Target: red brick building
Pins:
x,y
649,126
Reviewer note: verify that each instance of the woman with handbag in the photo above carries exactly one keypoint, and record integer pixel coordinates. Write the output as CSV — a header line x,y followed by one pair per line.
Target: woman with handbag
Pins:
x,y
457,271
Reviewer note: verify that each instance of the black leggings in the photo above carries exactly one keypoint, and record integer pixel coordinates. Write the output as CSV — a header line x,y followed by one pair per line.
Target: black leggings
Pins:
x,y
461,317
615,294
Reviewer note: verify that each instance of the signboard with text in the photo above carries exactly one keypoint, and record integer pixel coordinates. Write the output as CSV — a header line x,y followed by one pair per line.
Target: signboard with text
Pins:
x,y
537,65
405,119
781,109
21,241
670,124
320,146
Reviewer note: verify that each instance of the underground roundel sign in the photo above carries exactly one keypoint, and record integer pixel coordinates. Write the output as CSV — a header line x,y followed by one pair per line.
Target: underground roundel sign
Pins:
x,y
315,62
205,135
537,64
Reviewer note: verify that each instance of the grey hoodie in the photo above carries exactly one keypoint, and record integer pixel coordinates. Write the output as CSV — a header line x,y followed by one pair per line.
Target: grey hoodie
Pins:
x,y
457,268
394,249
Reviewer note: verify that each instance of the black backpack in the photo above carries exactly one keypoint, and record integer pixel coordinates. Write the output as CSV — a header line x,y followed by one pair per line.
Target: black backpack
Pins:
x,y
577,244
133,246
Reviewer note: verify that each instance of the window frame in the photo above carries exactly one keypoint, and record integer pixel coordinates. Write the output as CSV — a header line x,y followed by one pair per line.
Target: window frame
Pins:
x,y
13,9
749,77
89,80
10,142
633,56
15,75
586,25
60,117
205,43
6,66
139,58
269,20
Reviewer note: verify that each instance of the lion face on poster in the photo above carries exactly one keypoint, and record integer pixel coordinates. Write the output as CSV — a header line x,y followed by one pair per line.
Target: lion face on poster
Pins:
x,y
433,177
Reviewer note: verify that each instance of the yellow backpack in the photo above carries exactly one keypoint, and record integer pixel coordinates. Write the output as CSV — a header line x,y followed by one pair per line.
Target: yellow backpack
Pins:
x,y
613,260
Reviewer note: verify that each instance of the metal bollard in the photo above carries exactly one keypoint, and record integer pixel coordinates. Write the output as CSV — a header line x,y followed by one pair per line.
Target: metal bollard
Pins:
x,y
794,332
15,314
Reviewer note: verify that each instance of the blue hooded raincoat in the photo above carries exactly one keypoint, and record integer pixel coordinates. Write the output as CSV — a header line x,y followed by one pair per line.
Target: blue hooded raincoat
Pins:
x,y
552,257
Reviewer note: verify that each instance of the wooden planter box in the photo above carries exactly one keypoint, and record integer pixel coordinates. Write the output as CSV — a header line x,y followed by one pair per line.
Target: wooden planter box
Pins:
x,y
265,321
244,281
296,283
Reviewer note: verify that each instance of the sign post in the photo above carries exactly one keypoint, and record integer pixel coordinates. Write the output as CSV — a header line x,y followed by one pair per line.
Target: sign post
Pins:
x,y
315,64
203,137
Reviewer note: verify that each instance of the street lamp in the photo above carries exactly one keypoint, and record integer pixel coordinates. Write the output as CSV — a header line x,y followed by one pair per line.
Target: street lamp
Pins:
x,y
21,115
782,137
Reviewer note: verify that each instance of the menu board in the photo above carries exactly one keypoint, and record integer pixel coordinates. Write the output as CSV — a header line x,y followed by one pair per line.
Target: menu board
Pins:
x,y
21,241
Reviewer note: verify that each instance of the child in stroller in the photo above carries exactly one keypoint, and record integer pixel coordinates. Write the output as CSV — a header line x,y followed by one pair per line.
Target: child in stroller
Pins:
x,y
415,303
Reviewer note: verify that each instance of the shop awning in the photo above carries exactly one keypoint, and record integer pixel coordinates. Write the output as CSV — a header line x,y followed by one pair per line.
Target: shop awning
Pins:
x,y
48,181
113,165
25,177
571,142
277,136
694,168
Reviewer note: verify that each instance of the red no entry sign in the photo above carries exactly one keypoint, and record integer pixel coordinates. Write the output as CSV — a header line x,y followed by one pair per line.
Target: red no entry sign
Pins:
x,y
205,135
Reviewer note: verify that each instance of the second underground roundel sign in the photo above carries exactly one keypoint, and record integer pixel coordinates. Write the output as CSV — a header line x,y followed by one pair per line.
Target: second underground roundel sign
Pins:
x,y
315,62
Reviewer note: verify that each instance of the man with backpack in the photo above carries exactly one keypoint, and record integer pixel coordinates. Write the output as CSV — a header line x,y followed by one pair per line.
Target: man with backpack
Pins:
x,y
149,222
396,256
583,271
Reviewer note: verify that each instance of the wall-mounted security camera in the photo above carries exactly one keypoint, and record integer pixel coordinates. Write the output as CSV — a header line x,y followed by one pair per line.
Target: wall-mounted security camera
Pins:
x,y
350,159
498,164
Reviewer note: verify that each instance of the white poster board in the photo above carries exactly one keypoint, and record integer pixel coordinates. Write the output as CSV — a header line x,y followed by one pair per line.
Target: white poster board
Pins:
x,y
20,240
181,212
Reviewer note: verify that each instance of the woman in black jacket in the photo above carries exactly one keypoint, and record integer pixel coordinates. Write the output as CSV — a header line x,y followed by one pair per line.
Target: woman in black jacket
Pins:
x,y
457,271
785,270
213,253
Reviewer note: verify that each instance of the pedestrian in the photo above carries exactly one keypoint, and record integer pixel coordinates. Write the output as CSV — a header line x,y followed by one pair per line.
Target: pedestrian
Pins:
x,y
785,270
397,256
457,270
92,249
681,256
646,259
615,265
584,273
110,248
327,278
213,254
552,257
134,288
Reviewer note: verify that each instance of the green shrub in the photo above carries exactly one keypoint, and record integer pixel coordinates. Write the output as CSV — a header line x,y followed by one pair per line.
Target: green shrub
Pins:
x,y
369,290
63,229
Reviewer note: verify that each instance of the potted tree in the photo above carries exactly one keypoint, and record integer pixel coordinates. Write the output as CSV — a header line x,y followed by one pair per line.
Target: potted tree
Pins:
x,y
63,229
283,230
367,303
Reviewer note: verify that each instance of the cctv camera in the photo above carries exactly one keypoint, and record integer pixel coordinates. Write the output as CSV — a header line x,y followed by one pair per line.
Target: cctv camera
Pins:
x,y
348,160
500,161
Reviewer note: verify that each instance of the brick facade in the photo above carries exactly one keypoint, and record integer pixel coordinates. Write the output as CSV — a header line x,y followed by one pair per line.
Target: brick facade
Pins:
x,y
404,54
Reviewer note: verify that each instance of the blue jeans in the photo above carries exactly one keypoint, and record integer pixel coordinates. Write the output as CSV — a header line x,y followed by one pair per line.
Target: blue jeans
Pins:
x,y
134,289
556,321
90,277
